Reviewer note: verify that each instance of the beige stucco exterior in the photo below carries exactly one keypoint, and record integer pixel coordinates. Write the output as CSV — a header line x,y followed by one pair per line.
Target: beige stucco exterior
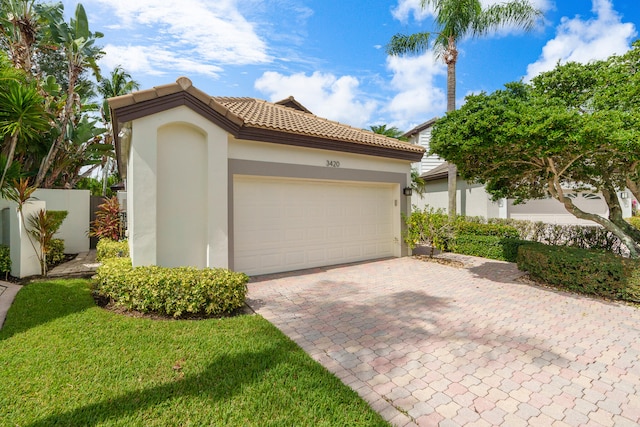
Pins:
x,y
180,185
176,181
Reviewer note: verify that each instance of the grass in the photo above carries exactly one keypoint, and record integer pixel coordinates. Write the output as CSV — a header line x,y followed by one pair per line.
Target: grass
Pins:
x,y
64,361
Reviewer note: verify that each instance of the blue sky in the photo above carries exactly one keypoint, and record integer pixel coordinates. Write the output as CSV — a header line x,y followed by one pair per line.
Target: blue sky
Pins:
x,y
330,56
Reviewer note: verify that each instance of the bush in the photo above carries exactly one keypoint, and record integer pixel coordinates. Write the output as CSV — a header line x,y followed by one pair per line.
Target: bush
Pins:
x,y
108,223
580,236
5,260
584,271
427,227
176,292
635,221
492,247
55,252
479,229
107,248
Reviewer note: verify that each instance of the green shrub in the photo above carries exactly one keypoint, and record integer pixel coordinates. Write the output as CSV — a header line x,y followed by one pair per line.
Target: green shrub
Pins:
x,y
580,236
635,221
584,271
176,292
5,260
492,247
108,222
107,248
480,229
55,252
427,227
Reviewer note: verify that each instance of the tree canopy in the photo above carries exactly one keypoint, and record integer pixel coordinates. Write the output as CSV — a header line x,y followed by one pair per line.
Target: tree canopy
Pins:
x,y
50,129
575,127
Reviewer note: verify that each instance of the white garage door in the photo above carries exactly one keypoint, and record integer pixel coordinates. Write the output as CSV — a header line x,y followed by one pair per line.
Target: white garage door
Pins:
x,y
291,224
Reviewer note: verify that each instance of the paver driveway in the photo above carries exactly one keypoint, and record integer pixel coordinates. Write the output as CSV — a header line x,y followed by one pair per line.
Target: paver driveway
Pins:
x,y
430,344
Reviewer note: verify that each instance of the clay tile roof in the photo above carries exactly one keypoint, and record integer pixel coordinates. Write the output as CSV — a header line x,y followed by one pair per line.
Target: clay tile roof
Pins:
x,y
262,114
244,117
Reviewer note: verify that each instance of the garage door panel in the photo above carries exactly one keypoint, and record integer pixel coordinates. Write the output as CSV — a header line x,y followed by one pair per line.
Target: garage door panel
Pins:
x,y
289,224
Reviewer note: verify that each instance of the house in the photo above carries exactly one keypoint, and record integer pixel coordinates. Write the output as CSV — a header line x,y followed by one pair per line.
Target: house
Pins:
x,y
473,200
254,186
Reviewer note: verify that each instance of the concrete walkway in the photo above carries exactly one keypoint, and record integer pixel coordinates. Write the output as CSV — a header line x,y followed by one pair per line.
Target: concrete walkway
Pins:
x,y
83,265
428,344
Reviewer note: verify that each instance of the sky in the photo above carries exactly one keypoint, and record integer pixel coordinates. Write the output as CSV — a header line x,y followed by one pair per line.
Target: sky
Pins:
x,y
330,54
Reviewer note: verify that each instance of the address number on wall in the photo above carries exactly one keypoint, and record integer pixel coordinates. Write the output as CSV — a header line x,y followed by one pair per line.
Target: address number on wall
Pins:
x,y
333,164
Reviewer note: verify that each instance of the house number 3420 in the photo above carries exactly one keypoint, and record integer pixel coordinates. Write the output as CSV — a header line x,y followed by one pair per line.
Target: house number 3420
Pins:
x,y
333,164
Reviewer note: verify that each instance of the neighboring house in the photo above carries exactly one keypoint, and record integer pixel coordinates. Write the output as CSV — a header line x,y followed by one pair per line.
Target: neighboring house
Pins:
x,y
254,186
473,200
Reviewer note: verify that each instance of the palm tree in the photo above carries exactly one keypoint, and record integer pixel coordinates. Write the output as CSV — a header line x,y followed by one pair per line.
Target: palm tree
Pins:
x,y
119,83
392,132
22,113
80,51
455,20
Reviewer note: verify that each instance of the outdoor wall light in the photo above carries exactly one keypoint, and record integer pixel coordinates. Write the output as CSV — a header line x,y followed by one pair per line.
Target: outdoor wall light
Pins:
x,y
407,191
624,195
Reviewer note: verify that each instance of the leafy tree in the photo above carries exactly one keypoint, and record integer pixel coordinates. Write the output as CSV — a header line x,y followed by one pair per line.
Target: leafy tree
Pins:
x,y
577,126
454,20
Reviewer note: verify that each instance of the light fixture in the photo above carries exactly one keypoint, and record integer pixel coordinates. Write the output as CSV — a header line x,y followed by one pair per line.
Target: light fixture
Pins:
x,y
624,195
407,191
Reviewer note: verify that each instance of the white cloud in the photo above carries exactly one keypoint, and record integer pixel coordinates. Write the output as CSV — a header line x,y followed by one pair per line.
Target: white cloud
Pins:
x,y
324,94
417,98
184,36
154,61
585,40
407,8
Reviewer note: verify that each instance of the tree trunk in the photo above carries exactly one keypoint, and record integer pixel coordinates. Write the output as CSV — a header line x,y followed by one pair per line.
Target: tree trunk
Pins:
x,y
615,213
451,57
606,223
65,119
13,142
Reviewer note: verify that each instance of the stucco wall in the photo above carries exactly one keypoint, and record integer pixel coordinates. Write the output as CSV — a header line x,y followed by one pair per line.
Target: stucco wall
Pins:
x,y
75,228
184,137
24,259
472,199
180,187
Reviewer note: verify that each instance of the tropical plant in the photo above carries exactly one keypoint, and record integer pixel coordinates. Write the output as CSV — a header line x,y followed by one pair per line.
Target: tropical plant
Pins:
x,y
107,223
19,27
454,20
42,227
22,115
81,53
392,132
20,193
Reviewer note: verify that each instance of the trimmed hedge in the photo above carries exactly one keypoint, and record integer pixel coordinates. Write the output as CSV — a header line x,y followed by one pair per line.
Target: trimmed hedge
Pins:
x,y
584,271
480,229
107,248
492,247
177,292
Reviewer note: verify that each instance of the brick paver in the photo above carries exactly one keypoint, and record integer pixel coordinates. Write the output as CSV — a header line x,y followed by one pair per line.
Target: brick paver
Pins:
x,y
428,344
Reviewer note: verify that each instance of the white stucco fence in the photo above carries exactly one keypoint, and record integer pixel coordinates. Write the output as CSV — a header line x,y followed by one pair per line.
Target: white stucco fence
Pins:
x,y
74,230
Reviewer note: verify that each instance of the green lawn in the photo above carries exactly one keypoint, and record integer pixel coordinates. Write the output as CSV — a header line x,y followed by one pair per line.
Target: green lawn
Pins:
x,y
64,361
